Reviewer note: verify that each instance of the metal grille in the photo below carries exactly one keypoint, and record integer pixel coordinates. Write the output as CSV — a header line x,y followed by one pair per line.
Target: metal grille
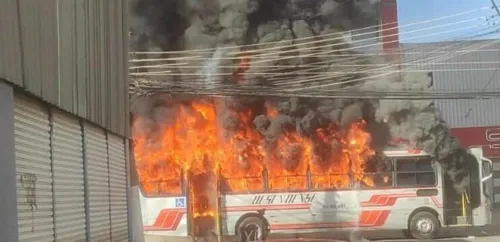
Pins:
x,y
67,155
118,186
98,184
34,173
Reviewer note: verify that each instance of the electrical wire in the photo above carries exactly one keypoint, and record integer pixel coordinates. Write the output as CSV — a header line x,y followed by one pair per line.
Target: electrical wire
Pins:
x,y
314,37
239,91
168,72
369,70
358,65
340,42
373,78
311,64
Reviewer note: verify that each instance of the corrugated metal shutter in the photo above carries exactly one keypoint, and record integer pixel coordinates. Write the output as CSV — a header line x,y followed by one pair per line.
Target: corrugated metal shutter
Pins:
x,y
455,69
67,158
34,173
496,181
118,186
98,184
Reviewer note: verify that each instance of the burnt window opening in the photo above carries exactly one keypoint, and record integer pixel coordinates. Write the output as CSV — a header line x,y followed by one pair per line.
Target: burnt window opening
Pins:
x,y
412,172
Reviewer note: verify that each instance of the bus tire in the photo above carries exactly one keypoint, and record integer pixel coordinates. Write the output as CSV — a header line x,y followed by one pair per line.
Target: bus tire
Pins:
x,y
252,228
423,225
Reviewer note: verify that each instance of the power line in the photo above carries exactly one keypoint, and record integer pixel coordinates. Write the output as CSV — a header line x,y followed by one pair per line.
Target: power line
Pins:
x,y
314,37
340,43
168,72
304,81
300,85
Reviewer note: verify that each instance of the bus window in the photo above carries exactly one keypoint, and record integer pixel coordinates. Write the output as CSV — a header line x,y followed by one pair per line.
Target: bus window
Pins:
x,y
330,181
161,187
415,172
287,183
160,180
379,172
380,180
242,184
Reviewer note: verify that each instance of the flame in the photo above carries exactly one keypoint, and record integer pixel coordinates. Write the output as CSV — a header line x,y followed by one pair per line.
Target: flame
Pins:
x,y
195,145
270,111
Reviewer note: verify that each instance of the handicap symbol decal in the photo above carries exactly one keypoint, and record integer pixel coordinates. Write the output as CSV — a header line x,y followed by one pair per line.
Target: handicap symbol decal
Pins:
x,y
180,202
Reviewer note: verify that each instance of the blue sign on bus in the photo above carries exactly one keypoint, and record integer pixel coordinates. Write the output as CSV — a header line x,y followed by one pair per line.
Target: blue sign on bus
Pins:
x,y
180,202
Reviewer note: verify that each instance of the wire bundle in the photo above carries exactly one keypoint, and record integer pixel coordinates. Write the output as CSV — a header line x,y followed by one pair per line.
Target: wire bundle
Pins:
x,y
179,72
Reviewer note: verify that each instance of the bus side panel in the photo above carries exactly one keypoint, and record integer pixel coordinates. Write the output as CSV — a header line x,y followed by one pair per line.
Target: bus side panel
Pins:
x,y
401,203
319,211
373,208
277,208
164,215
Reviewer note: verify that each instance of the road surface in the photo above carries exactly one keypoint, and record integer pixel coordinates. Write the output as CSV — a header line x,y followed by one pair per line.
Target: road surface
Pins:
x,y
456,235
466,239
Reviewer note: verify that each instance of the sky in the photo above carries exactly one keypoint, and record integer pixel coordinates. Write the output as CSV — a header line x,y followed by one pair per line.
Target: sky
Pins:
x,y
418,20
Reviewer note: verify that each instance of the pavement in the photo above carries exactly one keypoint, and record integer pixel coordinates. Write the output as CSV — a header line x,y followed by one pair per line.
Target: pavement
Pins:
x,y
457,235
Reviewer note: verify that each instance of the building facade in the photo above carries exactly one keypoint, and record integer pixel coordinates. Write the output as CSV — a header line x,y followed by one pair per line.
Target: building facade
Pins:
x,y
64,121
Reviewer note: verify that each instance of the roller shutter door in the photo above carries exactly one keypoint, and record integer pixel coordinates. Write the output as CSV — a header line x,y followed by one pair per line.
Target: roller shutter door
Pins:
x,y
34,173
98,184
496,181
118,188
67,158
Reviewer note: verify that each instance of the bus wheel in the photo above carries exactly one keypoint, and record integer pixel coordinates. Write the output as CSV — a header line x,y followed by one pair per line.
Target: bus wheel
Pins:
x,y
252,229
423,225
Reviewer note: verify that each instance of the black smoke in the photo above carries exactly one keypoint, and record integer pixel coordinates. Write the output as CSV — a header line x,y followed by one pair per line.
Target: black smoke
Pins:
x,y
188,28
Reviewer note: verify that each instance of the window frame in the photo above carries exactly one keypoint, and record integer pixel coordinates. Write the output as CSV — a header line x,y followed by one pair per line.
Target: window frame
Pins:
x,y
391,186
183,188
415,172
269,190
310,182
262,190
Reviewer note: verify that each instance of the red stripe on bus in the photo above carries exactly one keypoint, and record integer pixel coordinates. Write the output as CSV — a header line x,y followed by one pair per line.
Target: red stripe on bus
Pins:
x,y
167,220
370,218
391,199
385,200
436,202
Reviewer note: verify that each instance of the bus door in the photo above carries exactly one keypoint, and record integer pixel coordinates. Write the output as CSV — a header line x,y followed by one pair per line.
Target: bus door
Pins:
x,y
487,179
203,205
482,214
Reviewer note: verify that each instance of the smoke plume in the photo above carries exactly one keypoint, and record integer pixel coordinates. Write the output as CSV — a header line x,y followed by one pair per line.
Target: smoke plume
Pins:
x,y
178,26
421,123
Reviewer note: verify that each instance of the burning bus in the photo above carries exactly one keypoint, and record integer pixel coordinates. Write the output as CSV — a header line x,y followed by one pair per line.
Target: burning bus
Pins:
x,y
250,165
196,182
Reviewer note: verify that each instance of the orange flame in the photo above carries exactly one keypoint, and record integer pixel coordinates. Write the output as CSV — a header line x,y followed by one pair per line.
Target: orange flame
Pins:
x,y
196,144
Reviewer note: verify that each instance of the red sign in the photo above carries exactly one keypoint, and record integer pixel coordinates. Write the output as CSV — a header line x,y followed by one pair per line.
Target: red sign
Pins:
x,y
486,137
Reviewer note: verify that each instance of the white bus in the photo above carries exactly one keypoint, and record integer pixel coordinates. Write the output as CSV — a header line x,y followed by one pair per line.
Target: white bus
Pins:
x,y
411,197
